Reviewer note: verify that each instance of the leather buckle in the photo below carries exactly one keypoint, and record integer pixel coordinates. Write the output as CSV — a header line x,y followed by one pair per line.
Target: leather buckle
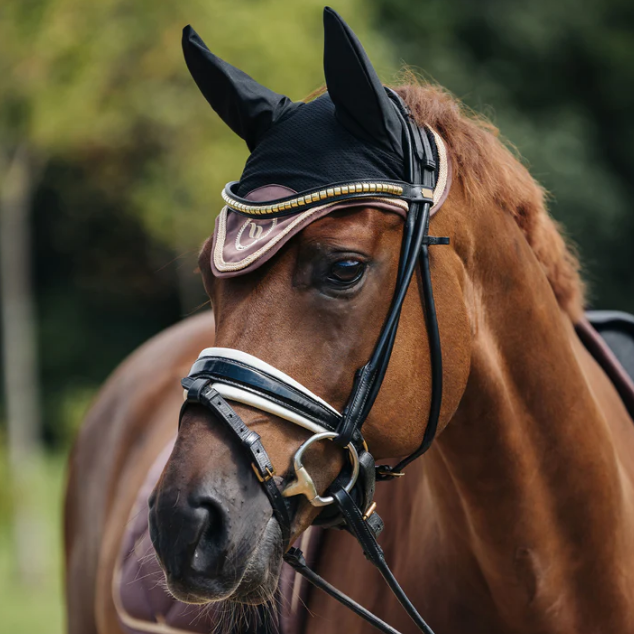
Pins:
x,y
259,476
385,472
370,510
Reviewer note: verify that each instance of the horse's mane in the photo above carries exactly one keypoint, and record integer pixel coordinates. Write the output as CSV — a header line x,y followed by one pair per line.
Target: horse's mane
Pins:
x,y
490,174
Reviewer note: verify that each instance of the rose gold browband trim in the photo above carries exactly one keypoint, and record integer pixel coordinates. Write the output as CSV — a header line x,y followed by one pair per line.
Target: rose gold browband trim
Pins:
x,y
329,194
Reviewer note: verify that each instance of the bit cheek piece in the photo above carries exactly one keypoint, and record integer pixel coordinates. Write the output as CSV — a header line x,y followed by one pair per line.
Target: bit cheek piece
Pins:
x,y
303,483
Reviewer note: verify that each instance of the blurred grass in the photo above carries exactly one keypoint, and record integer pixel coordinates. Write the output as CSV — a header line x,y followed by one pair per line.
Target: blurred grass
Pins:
x,y
36,608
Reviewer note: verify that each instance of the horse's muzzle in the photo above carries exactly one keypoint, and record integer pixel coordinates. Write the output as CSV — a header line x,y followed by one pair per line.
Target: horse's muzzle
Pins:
x,y
213,534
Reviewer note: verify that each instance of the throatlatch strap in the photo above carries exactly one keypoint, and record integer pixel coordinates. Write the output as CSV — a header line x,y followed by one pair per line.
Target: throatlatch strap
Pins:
x,y
199,391
435,354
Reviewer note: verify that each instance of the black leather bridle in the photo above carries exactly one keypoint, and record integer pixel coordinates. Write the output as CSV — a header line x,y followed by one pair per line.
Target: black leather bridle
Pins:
x,y
353,490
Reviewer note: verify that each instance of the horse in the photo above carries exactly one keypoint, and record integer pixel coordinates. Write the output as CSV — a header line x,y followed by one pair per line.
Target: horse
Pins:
x,y
519,518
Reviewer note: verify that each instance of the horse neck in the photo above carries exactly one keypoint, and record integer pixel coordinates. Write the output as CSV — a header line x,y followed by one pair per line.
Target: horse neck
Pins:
x,y
526,472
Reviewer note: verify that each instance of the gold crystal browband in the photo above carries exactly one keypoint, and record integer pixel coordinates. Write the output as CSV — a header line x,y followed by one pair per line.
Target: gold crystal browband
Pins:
x,y
337,191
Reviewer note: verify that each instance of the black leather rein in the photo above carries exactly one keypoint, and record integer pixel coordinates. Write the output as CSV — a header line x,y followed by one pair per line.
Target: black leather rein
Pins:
x,y
355,511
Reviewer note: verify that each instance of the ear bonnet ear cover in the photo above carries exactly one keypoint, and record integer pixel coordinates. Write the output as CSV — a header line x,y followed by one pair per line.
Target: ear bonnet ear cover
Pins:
x,y
247,107
351,133
361,102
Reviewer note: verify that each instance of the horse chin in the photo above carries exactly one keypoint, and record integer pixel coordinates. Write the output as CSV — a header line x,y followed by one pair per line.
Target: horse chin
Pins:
x,y
261,576
256,585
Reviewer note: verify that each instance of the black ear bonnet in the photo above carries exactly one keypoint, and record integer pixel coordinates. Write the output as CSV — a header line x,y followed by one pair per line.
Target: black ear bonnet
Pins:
x,y
353,132
356,145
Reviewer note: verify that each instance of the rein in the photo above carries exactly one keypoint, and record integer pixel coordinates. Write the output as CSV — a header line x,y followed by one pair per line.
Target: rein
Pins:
x,y
222,374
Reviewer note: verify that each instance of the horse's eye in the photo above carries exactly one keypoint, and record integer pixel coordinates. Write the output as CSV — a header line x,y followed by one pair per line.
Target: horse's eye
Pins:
x,y
346,272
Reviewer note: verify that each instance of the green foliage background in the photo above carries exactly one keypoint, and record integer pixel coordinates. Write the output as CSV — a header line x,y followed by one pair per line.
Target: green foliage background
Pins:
x,y
131,158
558,79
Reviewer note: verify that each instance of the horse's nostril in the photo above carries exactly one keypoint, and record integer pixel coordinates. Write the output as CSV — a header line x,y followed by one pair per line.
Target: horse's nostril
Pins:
x,y
214,524
189,536
212,537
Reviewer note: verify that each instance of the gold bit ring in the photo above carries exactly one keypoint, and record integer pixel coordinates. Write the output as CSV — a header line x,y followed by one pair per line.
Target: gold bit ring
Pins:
x,y
303,483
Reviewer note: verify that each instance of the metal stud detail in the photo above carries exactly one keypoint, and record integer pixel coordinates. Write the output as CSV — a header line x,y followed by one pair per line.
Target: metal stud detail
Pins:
x,y
308,199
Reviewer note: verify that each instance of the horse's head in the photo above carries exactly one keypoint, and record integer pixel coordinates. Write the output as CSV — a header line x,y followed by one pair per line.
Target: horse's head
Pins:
x,y
311,300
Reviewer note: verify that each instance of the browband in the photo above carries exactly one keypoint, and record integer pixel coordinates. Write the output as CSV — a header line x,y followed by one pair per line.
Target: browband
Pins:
x,y
338,192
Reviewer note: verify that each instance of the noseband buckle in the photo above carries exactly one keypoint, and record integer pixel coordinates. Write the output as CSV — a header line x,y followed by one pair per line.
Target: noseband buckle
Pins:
x,y
304,484
259,476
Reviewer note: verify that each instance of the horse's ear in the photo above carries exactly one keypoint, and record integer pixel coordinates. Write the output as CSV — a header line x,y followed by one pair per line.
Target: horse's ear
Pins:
x,y
247,107
361,102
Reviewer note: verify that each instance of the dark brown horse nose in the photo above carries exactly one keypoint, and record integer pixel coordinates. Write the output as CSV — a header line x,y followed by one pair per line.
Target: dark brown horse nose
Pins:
x,y
190,536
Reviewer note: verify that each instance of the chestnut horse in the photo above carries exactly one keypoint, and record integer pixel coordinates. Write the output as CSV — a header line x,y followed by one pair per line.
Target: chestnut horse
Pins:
x,y
519,519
